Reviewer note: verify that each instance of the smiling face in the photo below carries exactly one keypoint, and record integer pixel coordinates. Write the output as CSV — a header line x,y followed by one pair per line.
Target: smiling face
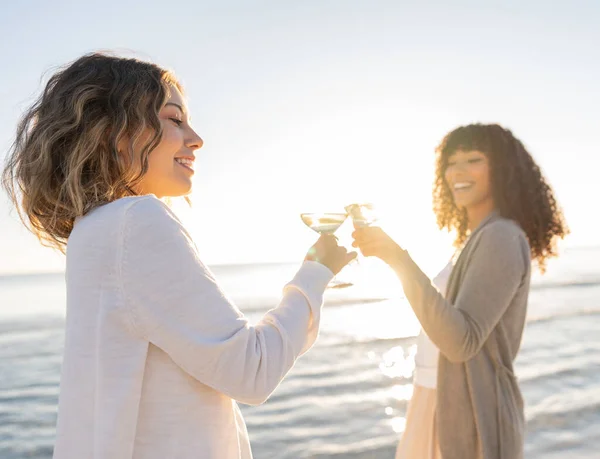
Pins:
x,y
171,163
467,175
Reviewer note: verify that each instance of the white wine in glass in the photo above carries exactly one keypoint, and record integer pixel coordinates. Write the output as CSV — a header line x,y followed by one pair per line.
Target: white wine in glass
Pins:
x,y
326,223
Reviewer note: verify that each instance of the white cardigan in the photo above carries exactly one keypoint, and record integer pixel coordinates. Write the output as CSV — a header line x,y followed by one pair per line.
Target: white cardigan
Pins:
x,y
155,354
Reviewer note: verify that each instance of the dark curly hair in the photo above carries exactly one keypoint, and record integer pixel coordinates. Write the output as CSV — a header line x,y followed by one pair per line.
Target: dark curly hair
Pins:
x,y
519,189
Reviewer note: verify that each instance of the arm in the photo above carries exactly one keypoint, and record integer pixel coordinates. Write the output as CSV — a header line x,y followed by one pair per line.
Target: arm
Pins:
x,y
175,304
491,280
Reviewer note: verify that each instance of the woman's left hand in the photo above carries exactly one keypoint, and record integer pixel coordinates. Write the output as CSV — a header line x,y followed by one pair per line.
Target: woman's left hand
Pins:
x,y
374,242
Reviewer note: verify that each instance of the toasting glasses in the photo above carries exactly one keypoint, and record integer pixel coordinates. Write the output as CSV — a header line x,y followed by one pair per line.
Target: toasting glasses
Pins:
x,y
328,223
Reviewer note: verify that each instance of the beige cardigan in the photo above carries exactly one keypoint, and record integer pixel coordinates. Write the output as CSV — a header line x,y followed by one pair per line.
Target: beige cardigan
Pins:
x,y
478,329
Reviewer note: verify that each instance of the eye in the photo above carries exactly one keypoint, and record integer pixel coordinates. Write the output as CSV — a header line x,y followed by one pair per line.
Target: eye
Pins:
x,y
451,163
177,121
475,160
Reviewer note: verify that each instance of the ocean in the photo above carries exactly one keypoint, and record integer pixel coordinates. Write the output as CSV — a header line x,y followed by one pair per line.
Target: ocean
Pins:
x,y
347,397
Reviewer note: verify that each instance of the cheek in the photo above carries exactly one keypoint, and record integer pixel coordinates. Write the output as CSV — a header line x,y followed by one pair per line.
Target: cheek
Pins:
x,y
165,151
172,138
483,177
157,160
447,175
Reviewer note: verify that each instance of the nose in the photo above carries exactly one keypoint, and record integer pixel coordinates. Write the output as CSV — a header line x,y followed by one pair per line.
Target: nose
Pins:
x,y
457,169
455,173
194,141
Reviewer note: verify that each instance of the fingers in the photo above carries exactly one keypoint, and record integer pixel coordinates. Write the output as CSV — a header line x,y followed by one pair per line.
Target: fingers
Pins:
x,y
372,248
368,232
328,240
342,252
369,250
362,237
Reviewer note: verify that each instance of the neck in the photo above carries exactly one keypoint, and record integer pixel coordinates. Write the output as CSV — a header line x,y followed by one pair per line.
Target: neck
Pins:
x,y
476,214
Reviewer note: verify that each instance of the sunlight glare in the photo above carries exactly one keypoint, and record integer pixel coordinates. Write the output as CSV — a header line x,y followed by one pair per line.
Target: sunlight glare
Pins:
x,y
398,424
398,363
402,391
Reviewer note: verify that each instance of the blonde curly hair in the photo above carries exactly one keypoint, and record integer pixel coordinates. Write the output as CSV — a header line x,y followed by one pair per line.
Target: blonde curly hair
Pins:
x,y
65,160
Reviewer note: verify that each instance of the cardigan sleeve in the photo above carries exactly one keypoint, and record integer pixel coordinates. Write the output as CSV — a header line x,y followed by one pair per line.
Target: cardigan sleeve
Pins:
x,y
494,272
176,304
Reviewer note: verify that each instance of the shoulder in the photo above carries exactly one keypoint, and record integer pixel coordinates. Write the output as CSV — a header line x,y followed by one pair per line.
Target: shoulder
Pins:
x,y
146,207
503,229
504,236
106,221
133,213
125,207
148,218
150,232
145,216
500,226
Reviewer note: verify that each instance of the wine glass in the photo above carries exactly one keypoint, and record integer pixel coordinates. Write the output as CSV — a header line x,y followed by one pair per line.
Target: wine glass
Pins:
x,y
362,214
326,223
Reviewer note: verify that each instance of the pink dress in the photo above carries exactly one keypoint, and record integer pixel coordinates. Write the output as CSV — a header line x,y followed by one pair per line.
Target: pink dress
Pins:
x,y
419,440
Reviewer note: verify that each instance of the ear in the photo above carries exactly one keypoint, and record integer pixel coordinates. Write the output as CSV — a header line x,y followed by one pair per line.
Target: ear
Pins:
x,y
122,144
123,154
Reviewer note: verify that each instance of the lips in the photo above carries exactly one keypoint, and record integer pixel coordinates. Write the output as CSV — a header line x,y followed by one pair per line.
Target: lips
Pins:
x,y
462,186
186,162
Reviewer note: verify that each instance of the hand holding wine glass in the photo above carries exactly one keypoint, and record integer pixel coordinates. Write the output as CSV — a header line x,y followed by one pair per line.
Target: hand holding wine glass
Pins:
x,y
329,253
374,242
326,224
362,214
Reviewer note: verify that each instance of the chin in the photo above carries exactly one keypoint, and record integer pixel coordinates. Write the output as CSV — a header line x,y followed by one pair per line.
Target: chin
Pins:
x,y
181,190
467,201
183,194
461,204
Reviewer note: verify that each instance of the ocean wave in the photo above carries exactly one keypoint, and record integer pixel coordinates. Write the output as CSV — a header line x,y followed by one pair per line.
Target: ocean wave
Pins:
x,y
568,369
564,314
257,304
557,413
565,285
351,301
262,304
328,340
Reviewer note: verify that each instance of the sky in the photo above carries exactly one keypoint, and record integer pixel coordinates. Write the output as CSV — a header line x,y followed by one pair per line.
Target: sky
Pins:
x,y
309,106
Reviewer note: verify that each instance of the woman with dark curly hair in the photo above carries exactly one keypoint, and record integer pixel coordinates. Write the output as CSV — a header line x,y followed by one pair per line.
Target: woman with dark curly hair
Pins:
x,y
466,402
155,355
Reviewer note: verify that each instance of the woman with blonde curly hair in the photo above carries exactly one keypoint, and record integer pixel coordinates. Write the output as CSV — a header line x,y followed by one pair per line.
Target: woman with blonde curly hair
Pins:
x,y
155,354
466,402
